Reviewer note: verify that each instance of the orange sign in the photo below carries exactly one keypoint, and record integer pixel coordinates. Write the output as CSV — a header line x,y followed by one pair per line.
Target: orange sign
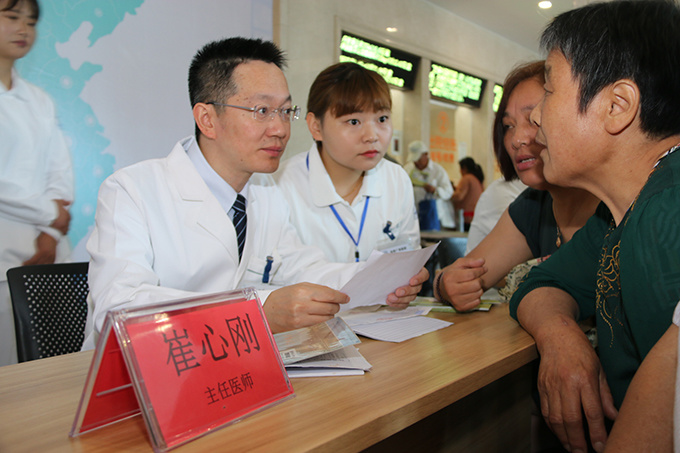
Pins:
x,y
194,365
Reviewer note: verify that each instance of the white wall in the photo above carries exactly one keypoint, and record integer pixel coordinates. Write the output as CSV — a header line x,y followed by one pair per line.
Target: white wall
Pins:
x,y
117,70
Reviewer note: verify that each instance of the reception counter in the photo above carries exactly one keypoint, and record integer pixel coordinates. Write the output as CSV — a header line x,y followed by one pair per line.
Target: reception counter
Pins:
x,y
466,388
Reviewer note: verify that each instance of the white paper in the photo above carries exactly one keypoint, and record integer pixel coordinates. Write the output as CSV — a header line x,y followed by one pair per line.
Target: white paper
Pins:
x,y
492,295
347,361
401,329
358,317
348,357
322,372
382,274
312,341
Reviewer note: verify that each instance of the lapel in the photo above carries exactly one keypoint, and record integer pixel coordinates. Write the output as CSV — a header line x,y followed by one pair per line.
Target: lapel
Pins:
x,y
201,207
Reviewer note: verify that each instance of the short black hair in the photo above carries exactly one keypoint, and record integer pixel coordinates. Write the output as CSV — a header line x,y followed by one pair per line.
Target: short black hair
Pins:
x,y
636,40
32,3
211,70
472,167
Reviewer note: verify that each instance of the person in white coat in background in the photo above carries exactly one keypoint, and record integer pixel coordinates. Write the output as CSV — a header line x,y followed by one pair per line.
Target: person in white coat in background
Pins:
x,y
163,227
492,203
344,196
36,174
432,189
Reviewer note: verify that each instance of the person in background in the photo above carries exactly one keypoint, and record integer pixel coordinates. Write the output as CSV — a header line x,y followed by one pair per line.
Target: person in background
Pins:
x,y
491,204
468,190
431,186
610,120
345,198
201,220
36,175
539,221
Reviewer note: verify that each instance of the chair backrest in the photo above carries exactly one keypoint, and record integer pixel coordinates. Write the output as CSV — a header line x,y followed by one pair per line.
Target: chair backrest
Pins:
x,y
451,249
50,308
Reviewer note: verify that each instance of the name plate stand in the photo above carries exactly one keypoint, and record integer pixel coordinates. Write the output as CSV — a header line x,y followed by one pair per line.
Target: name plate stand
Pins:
x,y
189,366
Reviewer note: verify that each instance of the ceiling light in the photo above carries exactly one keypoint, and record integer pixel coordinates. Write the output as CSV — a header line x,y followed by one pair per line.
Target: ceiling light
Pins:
x,y
545,4
391,29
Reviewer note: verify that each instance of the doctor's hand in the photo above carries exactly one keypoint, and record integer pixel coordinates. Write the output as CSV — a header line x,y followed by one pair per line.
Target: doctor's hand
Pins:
x,y
461,284
301,305
402,296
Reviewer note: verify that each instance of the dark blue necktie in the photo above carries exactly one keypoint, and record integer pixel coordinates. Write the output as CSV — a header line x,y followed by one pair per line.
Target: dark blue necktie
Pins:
x,y
240,222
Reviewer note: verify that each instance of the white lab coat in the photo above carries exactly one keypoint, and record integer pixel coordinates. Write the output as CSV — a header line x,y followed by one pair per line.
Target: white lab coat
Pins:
x,y
160,234
310,192
35,169
436,176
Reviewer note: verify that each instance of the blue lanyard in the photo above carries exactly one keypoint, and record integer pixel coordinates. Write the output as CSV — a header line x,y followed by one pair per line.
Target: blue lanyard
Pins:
x,y
337,216
361,227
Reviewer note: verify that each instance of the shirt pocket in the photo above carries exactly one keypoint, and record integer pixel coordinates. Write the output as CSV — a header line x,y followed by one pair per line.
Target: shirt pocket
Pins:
x,y
261,271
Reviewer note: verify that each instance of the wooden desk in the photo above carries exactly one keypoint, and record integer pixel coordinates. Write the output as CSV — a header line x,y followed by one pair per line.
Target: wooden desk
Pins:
x,y
409,382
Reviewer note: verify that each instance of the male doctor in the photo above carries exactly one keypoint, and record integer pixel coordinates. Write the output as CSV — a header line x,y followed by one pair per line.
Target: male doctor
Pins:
x,y
163,227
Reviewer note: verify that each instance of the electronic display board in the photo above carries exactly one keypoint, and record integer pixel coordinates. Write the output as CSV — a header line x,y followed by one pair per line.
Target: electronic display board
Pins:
x,y
452,85
497,95
398,68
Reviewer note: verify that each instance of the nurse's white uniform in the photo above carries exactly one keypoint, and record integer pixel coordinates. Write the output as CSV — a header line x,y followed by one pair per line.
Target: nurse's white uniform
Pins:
x,y
35,170
386,189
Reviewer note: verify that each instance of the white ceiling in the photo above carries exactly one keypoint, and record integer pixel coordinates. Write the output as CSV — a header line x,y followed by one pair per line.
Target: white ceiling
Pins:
x,y
521,21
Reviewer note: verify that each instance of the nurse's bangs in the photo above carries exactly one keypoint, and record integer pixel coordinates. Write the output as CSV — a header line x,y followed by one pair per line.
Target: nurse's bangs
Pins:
x,y
361,94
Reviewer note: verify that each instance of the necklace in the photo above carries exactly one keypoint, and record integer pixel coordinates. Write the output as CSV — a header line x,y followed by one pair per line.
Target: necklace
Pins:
x,y
354,189
558,240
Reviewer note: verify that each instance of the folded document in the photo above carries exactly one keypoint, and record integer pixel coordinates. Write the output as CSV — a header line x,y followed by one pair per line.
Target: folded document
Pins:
x,y
325,349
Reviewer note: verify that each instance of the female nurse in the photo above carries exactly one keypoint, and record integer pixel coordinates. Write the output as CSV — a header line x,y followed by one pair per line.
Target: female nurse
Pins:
x,y
36,177
344,196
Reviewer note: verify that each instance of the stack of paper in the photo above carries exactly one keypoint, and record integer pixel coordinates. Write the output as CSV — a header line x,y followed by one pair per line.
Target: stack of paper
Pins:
x,y
343,362
436,306
387,324
325,349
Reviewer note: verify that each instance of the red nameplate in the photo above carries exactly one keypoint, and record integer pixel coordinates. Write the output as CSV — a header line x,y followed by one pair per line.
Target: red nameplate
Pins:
x,y
189,366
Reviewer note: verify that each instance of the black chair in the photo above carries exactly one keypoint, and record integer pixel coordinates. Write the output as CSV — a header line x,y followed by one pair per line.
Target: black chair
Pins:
x,y
50,308
451,249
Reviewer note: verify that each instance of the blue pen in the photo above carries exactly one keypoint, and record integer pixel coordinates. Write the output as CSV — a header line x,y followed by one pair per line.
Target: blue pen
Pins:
x,y
387,231
267,269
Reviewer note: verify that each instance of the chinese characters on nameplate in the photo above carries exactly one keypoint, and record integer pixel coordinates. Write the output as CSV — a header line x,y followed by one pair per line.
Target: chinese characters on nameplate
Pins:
x,y
189,366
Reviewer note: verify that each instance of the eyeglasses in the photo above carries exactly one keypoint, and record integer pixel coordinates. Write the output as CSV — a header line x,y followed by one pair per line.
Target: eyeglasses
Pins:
x,y
264,113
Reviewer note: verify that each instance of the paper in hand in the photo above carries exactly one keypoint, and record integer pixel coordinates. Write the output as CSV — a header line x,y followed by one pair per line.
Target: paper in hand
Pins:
x,y
382,274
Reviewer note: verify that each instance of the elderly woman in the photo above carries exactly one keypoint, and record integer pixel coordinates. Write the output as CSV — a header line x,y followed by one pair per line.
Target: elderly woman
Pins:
x,y
541,219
